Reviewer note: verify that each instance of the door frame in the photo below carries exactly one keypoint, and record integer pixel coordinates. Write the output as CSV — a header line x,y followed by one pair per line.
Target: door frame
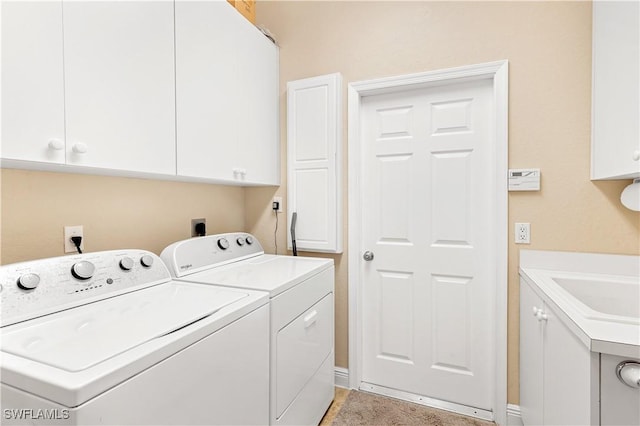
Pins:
x,y
497,72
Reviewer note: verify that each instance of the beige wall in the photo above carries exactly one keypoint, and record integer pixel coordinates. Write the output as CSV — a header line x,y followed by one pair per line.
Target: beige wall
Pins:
x,y
116,212
548,45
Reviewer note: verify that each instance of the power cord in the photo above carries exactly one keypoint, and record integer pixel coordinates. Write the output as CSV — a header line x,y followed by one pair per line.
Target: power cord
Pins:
x,y
276,206
275,233
77,240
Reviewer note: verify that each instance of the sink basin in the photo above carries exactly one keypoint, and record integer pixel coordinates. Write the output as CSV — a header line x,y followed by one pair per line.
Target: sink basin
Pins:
x,y
615,299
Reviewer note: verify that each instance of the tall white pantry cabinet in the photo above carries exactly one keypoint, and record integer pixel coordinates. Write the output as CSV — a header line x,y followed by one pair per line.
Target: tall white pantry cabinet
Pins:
x,y
119,87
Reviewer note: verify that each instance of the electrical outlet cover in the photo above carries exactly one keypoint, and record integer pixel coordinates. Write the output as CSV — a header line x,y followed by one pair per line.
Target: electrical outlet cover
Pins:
x,y
194,222
73,231
523,233
279,201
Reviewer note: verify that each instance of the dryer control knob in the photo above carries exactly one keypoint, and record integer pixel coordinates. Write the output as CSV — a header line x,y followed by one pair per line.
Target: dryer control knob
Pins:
x,y
240,241
223,243
249,239
28,281
146,261
126,263
83,270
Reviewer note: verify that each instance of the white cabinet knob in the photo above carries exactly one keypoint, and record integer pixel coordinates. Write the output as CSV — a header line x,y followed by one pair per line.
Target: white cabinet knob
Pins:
x,y
535,311
541,315
239,172
636,155
56,144
79,148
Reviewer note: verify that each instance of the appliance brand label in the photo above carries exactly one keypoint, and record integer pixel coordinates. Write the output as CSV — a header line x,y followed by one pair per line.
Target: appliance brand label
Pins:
x,y
187,266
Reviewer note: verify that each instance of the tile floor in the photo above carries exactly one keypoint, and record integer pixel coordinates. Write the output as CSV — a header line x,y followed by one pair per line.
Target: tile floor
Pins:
x,y
332,412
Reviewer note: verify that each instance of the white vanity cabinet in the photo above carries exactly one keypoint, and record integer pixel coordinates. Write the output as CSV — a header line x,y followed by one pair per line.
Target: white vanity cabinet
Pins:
x,y
32,82
558,383
226,95
615,149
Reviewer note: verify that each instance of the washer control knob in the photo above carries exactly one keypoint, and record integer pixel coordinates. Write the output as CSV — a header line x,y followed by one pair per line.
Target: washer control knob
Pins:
x,y
146,261
126,263
83,270
223,243
249,239
28,281
240,241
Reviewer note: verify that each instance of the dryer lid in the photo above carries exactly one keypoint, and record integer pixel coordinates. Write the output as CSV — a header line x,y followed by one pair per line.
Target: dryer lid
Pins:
x,y
79,338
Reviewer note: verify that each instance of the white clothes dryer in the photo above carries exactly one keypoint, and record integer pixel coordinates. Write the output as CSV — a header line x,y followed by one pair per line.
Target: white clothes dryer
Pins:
x,y
109,338
301,290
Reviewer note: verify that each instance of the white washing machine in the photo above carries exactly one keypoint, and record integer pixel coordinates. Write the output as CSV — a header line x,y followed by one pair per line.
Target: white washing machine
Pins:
x,y
109,338
302,314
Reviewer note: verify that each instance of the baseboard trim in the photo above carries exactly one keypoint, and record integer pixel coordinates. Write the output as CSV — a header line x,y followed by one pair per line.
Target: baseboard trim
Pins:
x,y
341,377
514,418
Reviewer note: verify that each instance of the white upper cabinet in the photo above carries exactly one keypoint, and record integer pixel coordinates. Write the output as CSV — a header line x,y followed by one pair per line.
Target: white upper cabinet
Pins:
x,y
182,90
119,85
314,145
32,82
257,114
615,150
206,88
227,96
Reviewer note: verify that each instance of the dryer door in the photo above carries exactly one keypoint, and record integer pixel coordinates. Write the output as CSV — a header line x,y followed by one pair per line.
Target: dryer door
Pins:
x,y
302,347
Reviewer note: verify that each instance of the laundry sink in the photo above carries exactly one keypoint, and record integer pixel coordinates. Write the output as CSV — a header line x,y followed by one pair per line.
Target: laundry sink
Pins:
x,y
609,298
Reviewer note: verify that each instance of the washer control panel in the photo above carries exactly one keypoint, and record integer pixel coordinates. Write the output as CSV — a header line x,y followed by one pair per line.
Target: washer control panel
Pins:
x,y
40,287
196,254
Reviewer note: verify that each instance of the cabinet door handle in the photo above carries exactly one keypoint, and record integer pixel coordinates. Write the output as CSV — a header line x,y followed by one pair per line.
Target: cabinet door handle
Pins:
x,y
636,155
56,144
535,311
79,148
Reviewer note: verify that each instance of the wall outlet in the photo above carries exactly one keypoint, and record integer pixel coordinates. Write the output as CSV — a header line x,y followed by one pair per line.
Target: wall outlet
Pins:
x,y
279,201
73,231
523,233
198,227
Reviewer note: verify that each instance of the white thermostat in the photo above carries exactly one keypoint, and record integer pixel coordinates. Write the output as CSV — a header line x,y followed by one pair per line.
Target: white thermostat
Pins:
x,y
524,179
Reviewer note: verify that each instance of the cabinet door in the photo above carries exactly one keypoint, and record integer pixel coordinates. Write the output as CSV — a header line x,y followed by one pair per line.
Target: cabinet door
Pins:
x,y
32,81
531,367
259,158
314,184
616,87
119,85
570,376
207,88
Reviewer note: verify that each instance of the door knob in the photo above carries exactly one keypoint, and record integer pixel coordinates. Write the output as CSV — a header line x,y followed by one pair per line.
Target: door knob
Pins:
x,y
368,256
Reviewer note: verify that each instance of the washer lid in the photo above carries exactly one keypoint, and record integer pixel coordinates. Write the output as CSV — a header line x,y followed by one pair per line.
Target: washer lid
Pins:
x,y
79,338
268,272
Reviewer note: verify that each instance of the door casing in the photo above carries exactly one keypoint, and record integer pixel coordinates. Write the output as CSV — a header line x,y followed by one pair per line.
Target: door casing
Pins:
x,y
498,73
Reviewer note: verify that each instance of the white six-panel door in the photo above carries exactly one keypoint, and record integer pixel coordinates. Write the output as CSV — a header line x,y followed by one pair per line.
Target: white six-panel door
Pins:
x,y
428,294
